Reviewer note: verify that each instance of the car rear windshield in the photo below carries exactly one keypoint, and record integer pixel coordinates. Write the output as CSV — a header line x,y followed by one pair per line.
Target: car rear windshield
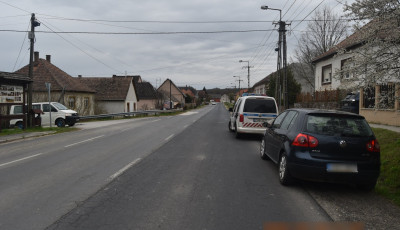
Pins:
x,y
259,105
332,125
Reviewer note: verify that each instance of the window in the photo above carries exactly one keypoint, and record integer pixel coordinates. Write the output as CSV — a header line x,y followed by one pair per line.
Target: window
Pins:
x,y
289,120
338,126
278,120
260,105
46,108
327,74
86,102
71,102
346,66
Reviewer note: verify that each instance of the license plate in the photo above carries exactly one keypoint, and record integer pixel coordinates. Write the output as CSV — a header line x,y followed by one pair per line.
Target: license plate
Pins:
x,y
257,120
341,168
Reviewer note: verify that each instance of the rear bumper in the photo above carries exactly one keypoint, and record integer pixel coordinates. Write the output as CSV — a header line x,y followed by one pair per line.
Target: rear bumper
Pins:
x,y
251,130
317,171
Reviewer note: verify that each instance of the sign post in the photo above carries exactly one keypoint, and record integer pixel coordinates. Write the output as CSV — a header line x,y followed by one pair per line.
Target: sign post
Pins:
x,y
48,85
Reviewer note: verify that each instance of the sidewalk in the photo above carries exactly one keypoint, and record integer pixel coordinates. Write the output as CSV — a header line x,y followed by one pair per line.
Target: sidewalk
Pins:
x,y
388,127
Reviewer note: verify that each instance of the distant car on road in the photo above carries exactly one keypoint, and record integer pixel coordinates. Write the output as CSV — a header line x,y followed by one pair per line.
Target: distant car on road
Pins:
x,y
322,145
351,103
249,114
213,102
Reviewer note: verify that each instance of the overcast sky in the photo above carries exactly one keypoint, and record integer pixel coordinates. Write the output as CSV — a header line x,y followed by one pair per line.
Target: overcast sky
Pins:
x,y
147,37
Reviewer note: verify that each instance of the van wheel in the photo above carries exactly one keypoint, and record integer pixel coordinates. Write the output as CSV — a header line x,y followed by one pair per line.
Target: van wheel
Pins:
x,y
60,122
19,124
237,134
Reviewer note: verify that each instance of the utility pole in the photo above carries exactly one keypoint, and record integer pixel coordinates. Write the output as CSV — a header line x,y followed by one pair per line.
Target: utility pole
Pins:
x,y
282,58
239,83
248,72
31,36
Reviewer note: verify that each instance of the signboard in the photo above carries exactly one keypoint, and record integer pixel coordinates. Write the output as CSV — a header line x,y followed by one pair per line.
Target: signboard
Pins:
x,y
11,94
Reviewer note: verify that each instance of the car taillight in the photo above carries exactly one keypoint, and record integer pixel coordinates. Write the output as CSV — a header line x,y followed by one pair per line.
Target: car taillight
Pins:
x,y
304,140
241,118
373,146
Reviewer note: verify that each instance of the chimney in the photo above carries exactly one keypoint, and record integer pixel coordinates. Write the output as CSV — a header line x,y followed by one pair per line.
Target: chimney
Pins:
x,y
48,58
36,58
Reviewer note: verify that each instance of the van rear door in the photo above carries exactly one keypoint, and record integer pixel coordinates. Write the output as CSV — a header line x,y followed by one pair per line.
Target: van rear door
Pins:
x,y
259,110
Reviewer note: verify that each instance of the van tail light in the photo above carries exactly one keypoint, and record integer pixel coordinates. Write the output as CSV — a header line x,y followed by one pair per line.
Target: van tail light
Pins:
x,y
373,146
304,140
241,118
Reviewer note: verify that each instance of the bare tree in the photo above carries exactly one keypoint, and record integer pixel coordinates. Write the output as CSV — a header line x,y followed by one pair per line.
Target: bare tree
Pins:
x,y
323,32
377,60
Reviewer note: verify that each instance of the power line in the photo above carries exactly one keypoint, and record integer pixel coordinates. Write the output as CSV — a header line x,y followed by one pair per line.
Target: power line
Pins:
x,y
22,45
81,49
142,33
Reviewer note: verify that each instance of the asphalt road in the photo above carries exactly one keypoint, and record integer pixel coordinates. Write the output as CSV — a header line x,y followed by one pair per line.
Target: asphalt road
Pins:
x,y
44,178
199,178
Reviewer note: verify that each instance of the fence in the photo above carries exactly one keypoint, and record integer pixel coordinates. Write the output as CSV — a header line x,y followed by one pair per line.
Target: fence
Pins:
x,y
321,96
129,114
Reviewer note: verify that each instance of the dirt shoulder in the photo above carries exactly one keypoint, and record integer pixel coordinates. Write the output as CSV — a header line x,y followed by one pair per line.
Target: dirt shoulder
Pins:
x,y
347,204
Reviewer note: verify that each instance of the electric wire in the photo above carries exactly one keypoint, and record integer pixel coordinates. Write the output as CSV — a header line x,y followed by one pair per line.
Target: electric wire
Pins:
x,y
88,54
20,50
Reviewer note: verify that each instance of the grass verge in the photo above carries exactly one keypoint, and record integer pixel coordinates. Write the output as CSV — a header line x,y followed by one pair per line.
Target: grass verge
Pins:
x,y
5,132
389,180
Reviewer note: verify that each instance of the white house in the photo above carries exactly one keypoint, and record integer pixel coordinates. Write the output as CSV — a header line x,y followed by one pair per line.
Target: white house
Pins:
x,y
113,95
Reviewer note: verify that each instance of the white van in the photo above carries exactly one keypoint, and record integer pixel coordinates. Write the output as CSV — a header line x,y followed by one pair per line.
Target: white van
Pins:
x,y
60,115
250,112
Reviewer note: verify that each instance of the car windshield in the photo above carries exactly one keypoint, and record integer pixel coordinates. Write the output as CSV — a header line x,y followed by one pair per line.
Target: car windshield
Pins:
x,y
59,106
333,125
259,105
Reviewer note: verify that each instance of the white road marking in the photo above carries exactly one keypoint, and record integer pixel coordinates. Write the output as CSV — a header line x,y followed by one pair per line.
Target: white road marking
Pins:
x,y
22,159
169,138
77,143
185,126
115,175
188,113
155,120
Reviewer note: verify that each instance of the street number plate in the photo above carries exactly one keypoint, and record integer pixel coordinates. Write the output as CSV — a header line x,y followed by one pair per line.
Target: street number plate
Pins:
x,y
341,168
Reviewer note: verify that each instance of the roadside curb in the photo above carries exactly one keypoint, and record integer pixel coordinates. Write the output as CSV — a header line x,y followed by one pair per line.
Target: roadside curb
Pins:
x,y
14,137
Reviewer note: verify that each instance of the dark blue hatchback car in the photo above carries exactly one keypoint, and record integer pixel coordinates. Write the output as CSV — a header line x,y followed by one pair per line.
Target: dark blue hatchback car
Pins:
x,y
322,145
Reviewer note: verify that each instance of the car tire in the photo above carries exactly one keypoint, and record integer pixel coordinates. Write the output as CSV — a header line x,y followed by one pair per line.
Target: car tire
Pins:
x,y
19,124
237,134
230,127
262,150
284,176
60,122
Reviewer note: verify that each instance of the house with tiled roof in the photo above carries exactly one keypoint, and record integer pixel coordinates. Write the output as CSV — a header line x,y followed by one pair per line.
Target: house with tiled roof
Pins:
x,y
64,88
170,92
334,70
189,91
148,98
113,95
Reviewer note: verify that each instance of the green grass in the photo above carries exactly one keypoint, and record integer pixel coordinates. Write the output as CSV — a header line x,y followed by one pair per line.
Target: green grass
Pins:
x,y
5,132
389,180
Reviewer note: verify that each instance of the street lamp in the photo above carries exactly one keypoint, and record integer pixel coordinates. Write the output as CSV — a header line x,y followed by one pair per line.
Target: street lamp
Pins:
x,y
267,8
248,72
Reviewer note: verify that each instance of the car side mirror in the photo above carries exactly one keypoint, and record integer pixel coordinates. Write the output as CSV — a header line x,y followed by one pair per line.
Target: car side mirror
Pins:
x,y
267,124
